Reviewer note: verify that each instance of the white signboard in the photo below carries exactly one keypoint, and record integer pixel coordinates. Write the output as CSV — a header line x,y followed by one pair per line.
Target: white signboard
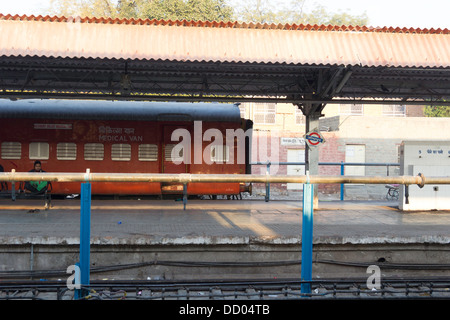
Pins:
x,y
292,141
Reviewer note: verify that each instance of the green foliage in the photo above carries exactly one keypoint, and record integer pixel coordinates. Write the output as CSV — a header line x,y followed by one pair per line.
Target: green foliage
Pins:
x,y
204,10
437,111
262,11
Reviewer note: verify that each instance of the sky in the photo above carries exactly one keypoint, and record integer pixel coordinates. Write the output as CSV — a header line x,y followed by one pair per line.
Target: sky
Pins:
x,y
381,13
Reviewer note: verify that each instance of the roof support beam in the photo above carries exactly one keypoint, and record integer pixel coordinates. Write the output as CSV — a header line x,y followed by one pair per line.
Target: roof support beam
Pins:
x,y
313,111
44,93
312,154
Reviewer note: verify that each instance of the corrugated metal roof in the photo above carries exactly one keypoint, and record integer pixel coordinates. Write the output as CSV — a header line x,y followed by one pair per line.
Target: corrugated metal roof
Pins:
x,y
220,24
223,42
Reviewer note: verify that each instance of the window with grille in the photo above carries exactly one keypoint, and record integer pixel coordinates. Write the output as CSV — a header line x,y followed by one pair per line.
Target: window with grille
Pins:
x,y
148,152
94,151
394,110
168,153
121,152
264,113
11,150
220,154
39,151
351,109
66,151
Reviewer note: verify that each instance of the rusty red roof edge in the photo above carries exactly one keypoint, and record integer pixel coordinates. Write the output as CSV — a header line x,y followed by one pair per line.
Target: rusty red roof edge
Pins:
x,y
221,24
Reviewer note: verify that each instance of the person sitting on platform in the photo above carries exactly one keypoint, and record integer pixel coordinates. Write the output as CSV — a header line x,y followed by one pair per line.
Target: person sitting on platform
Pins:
x,y
3,184
37,187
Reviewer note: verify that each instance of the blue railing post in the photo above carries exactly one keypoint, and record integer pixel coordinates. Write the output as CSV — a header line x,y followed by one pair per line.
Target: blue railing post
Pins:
x,y
267,197
85,238
342,185
307,236
185,197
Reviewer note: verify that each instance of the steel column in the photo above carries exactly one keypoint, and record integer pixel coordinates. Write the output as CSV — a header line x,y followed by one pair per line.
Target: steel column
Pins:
x,y
267,197
312,154
342,185
185,196
85,235
307,236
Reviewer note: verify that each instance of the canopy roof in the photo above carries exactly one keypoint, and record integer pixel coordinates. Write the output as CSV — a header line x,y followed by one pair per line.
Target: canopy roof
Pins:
x,y
153,59
199,41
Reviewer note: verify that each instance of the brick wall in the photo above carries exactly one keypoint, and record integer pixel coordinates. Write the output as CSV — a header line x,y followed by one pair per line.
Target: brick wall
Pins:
x,y
330,151
380,135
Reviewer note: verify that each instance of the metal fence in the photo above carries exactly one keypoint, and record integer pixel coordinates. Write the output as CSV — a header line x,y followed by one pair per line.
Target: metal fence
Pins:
x,y
341,164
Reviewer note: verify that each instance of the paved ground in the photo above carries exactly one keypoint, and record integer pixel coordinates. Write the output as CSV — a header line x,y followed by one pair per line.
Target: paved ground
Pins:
x,y
218,222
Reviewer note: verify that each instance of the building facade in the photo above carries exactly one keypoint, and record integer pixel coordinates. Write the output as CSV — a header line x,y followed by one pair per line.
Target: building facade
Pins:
x,y
353,133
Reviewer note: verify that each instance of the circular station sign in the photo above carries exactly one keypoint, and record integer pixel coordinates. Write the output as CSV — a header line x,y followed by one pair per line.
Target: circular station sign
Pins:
x,y
314,138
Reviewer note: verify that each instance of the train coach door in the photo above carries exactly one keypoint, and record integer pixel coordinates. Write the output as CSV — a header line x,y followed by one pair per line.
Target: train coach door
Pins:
x,y
173,160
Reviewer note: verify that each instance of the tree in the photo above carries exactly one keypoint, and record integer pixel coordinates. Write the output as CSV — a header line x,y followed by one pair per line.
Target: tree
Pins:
x,y
437,111
86,8
256,11
264,12
204,10
152,9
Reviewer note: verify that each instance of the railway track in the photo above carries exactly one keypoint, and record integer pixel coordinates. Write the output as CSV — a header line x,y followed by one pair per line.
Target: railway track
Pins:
x,y
242,290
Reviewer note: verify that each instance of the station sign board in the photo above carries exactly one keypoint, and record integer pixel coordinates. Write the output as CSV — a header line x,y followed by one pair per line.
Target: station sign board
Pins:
x,y
292,141
314,138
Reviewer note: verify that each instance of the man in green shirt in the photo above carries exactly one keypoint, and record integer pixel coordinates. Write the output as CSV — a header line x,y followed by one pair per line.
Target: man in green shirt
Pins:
x,y
36,186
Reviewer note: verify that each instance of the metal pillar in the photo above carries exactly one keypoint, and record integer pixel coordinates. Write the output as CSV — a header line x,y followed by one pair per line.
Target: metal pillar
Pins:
x,y
312,154
185,196
267,197
342,185
85,235
307,237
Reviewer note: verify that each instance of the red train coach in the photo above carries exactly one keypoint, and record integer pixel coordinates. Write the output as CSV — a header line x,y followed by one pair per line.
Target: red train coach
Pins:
x,y
122,137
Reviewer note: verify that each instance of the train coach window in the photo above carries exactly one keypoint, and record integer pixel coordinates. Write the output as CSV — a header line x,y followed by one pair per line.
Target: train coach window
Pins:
x,y
94,151
168,153
121,152
39,150
11,150
148,152
66,151
220,154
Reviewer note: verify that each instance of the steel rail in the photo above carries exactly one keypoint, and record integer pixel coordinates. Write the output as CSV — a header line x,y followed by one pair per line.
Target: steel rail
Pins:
x,y
280,289
184,178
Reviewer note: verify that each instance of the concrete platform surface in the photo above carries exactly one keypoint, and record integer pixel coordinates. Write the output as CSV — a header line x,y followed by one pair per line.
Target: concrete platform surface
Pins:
x,y
164,222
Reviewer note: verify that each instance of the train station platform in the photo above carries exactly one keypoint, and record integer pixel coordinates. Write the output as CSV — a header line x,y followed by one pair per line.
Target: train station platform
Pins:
x,y
219,221
132,231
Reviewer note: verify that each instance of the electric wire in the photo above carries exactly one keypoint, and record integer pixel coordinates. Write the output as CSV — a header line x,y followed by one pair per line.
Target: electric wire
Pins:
x,y
18,274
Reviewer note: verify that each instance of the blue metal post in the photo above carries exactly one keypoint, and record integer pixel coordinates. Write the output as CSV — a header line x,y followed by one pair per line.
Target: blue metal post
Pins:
x,y
307,236
184,196
85,235
267,198
342,185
